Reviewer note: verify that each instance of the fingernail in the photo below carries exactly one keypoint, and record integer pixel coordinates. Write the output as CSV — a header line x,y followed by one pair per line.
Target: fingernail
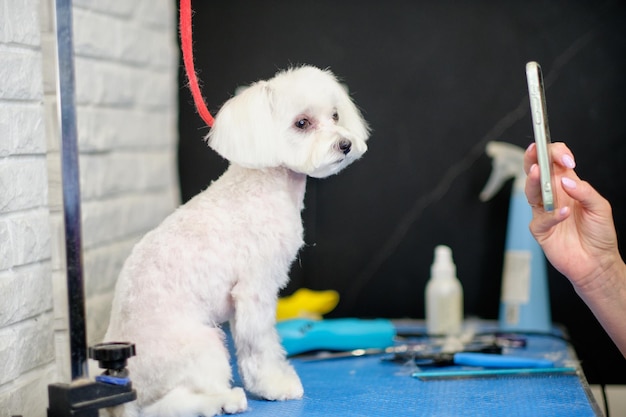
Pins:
x,y
568,161
568,183
530,146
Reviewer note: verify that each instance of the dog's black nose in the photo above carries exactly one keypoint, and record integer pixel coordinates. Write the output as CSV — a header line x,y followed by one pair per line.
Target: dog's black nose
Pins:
x,y
344,146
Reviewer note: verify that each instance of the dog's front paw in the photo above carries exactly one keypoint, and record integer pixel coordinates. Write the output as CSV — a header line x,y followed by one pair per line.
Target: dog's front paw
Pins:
x,y
235,401
276,383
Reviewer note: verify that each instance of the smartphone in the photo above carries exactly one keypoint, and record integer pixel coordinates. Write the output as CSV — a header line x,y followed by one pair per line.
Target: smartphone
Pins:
x,y
541,131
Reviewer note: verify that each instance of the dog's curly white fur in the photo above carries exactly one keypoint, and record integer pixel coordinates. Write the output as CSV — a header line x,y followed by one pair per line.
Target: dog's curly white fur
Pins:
x,y
225,254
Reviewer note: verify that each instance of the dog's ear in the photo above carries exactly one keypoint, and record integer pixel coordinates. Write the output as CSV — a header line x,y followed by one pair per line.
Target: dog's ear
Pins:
x,y
243,127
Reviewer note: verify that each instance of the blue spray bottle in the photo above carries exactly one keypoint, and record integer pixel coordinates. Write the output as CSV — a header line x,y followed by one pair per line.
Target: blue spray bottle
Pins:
x,y
525,300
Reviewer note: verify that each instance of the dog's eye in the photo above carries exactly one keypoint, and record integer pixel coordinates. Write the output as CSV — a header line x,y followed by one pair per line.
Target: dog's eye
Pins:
x,y
303,124
336,116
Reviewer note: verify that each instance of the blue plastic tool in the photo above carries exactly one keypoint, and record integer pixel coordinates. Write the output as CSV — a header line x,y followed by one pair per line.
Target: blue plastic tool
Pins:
x,y
489,360
304,335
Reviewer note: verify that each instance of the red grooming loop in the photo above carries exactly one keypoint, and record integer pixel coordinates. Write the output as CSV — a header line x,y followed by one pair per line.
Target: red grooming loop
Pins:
x,y
187,48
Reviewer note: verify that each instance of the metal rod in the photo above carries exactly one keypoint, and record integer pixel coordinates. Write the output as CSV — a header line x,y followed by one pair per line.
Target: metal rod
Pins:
x,y
71,189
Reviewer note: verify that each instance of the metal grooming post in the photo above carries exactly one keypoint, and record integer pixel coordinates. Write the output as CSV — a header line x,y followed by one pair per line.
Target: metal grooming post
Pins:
x,y
71,190
80,398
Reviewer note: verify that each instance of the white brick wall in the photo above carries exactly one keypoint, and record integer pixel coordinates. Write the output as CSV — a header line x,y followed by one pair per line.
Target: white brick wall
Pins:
x,y
126,93
26,317
126,88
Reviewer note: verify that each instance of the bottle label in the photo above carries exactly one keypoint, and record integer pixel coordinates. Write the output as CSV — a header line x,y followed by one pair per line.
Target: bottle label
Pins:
x,y
512,314
516,277
444,314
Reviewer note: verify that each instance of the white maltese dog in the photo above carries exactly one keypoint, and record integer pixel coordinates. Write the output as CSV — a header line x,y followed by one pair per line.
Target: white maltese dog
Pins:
x,y
225,254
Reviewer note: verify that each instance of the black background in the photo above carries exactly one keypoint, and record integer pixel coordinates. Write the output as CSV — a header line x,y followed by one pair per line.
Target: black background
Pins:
x,y
436,81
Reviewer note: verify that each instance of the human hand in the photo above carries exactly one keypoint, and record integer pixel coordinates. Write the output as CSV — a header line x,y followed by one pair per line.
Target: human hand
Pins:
x,y
578,237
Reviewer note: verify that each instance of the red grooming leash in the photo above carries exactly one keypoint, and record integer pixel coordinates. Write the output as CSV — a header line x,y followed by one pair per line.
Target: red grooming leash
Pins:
x,y
187,47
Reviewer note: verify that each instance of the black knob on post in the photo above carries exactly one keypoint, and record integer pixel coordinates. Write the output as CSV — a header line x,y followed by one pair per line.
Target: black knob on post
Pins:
x,y
112,355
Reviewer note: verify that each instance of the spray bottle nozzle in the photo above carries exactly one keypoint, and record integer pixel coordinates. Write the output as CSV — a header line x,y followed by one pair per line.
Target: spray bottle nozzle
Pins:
x,y
507,162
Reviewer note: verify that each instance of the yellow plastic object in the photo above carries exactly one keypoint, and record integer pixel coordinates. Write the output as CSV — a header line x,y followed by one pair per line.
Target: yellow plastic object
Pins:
x,y
305,303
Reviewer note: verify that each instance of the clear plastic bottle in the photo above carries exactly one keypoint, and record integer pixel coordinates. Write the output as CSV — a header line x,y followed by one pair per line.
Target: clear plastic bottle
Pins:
x,y
444,295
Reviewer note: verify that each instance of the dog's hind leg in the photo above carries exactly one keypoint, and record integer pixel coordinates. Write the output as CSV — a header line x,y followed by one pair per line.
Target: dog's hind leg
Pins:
x,y
182,402
262,364
191,365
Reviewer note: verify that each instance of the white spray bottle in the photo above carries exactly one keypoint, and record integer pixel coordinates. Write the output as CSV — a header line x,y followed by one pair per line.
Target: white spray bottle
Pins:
x,y
525,300
444,296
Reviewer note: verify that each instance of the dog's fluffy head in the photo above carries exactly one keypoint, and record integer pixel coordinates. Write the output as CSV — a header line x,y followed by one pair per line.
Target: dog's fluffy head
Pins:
x,y
302,119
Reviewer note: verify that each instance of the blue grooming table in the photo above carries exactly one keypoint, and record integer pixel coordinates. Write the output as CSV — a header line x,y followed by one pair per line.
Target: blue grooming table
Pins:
x,y
366,386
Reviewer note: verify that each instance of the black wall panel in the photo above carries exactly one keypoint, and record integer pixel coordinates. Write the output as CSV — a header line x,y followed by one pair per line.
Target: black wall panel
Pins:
x,y
436,81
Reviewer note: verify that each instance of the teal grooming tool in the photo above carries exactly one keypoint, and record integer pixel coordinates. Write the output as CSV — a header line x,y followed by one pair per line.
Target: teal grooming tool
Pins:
x,y
491,373
303,335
